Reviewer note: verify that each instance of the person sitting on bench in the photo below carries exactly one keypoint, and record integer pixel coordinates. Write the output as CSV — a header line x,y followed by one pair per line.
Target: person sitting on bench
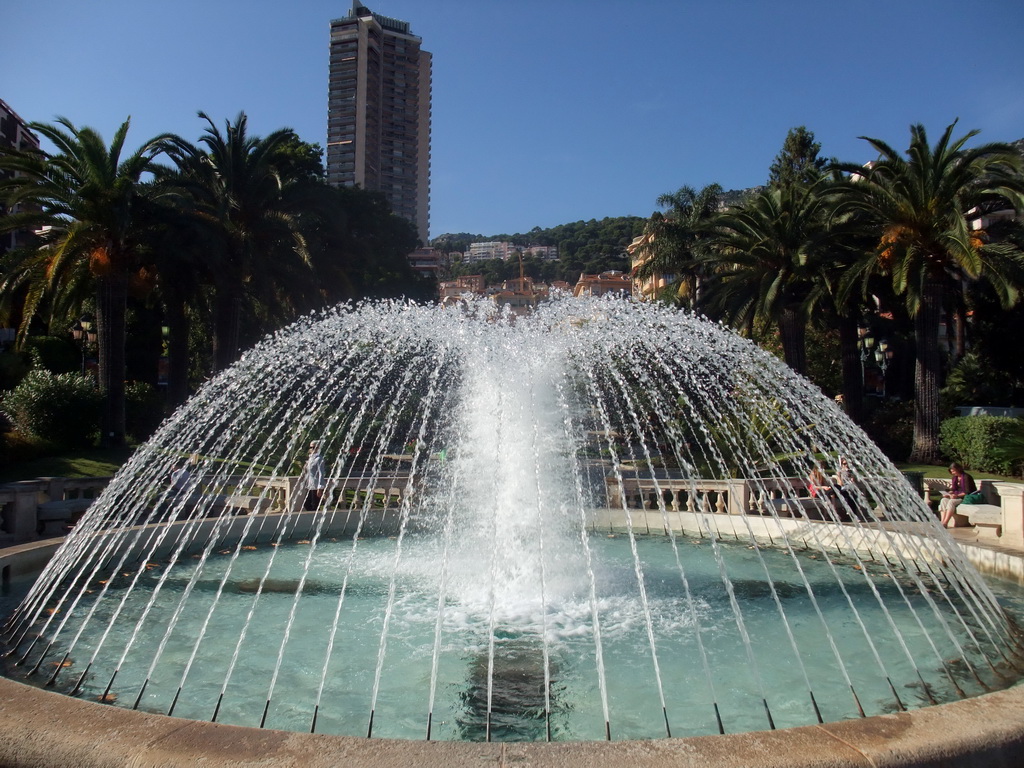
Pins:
x,y
960,485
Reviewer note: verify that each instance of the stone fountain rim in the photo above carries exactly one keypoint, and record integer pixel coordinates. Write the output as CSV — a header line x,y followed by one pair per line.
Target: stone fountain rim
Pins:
x,y
44,728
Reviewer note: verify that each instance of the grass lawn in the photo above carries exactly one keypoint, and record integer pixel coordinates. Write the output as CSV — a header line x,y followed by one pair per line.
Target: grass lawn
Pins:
x,y
942,470
105,462
89,463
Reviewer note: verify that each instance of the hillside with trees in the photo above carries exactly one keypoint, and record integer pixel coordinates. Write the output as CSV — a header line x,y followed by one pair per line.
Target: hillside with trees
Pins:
x,y
583,247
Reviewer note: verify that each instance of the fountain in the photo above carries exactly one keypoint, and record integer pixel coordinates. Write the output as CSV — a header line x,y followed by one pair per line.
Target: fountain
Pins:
x,y
588,523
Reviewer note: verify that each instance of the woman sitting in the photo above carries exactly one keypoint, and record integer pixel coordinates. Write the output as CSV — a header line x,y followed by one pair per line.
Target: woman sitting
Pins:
x,y
846,491
817,485
843,476
960,485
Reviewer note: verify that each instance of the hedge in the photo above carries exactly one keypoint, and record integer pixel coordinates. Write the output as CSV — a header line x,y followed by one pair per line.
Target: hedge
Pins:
x,y
62,409
975,442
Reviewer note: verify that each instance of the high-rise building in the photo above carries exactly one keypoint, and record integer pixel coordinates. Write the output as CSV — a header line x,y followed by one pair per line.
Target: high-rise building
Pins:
x,y
378,114
14,134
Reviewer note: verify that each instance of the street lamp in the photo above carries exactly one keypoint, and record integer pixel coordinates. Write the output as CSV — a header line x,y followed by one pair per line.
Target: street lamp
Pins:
x,y
882,357
82,332
865,343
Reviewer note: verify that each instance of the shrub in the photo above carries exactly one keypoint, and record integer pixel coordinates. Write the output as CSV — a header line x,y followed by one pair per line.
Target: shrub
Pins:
x,y
15,447
13,367
54,353
143,409
975,380
63,409
975,442
1011,447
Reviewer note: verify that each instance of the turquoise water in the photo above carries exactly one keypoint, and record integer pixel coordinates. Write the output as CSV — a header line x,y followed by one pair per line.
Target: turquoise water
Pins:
x,y
526,630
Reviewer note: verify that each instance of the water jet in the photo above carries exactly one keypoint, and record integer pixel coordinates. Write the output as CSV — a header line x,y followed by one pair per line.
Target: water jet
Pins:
x,y
591,521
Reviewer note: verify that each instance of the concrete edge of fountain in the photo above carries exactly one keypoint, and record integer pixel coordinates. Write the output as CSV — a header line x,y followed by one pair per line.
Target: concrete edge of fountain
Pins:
x,y
44,728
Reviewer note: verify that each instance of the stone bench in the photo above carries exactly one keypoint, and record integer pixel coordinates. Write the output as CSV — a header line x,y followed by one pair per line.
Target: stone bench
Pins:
x,y
987,518
816,508
247,505
785,507
61,511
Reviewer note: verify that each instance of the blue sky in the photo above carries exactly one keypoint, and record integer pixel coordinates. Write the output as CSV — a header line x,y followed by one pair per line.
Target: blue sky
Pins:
x,y
544,112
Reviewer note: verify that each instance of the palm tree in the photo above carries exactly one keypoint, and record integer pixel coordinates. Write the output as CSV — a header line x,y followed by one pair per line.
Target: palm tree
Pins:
x,y
673,242
84,203
925,213
767,255
235,189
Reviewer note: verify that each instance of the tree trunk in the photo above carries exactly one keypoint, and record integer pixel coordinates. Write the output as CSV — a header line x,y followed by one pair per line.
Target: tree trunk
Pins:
x,y
960,334
111,306
853,386
177,352
792,332
926,375
227,318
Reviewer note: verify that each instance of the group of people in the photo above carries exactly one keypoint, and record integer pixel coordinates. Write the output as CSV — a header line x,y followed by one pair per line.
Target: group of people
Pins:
x,y
837,490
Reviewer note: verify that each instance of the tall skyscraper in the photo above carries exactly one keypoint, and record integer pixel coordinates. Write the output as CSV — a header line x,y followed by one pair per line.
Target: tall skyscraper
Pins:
x,y
14,134
378,114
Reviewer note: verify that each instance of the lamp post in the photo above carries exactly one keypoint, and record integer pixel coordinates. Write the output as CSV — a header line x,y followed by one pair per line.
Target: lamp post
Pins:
x,y
866,344
83,333
882,357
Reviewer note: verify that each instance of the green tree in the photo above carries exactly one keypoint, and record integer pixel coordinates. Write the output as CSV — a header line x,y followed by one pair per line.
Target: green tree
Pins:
x,y
799,164
180,250
921,210
674,243
237,185
362,248
768,256
798,161
85,202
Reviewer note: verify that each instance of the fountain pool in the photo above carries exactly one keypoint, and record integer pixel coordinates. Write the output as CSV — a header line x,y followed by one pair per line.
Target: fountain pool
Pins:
x,y
518,674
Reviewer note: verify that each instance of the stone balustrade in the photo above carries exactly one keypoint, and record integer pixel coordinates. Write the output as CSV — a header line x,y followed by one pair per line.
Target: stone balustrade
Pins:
x,y
25,506
786,497
723,496
20,502
1011,500
638,490
43,506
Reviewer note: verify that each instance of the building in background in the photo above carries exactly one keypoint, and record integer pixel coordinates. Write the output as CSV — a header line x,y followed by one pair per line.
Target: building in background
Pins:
x,y
500,249
613,282
488,250
14,134
650,288
378,112
452,291
428,262
547,252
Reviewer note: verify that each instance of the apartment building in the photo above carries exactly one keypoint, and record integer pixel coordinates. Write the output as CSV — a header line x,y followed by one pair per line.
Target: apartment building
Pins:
x,y
378,113
613,282
488,250
14,134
